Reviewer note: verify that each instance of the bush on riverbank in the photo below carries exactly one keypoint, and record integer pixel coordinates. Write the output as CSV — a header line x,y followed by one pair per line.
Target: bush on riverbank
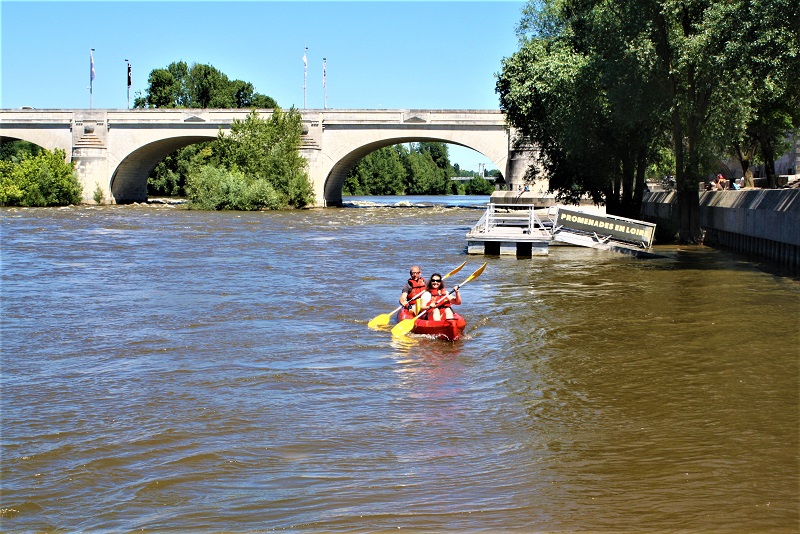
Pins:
x,y
43,179
215,188
257,166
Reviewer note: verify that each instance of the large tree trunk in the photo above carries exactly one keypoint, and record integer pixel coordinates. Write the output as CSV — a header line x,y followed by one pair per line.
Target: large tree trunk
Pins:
x,y
689,211
688,188
768,152
638,193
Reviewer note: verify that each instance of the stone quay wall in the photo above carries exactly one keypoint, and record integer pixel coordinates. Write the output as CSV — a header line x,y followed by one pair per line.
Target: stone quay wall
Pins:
x,y
760,222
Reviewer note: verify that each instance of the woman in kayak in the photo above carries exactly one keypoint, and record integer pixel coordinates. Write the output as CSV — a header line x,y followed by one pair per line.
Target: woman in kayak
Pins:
x,y
438,300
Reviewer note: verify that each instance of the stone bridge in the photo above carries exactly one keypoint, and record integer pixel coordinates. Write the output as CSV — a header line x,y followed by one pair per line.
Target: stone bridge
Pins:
x,y
116,150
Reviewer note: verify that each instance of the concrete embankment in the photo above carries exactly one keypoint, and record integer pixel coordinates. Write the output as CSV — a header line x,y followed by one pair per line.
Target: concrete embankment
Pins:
x,y
761,222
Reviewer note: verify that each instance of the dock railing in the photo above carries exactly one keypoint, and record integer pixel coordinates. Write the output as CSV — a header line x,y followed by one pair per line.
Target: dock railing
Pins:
x,y
512,220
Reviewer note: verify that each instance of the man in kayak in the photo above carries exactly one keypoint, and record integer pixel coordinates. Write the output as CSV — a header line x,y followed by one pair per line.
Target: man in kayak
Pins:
x,y
414,287
437,300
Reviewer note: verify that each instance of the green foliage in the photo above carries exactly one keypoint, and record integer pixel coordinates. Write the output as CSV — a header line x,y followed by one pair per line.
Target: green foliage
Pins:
x,y
169,176
215,188
98,196
422,169
16,150
378,173
44,179
199,86
259,161
478,186
603,87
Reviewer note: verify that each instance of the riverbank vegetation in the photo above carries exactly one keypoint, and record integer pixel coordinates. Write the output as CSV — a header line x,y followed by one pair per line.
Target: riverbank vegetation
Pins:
x,y
608,89
417,169
33,176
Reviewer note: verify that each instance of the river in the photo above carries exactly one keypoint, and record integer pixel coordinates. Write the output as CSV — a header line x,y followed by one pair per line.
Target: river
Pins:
x,y
166,370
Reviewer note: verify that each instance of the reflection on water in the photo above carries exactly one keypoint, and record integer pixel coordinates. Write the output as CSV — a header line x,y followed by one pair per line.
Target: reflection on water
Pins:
x,y
174,370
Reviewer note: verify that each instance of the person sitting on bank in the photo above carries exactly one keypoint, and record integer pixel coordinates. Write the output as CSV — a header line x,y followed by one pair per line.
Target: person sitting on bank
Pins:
x,y
437,300
415,286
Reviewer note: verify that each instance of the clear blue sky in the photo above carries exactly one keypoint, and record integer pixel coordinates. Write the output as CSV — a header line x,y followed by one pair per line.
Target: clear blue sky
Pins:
x,y
406,54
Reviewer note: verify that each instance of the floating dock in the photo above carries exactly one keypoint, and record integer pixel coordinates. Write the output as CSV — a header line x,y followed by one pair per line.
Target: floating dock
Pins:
x,y
526,227
509,229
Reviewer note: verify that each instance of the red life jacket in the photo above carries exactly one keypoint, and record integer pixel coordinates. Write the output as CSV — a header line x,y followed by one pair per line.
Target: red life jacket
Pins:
x,y
437,294
417,287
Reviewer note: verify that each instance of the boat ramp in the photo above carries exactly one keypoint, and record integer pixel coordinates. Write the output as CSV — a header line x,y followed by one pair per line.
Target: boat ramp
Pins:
x,y
526,226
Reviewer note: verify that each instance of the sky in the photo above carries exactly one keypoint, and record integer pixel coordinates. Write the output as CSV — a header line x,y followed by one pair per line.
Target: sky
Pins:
x,y
379,55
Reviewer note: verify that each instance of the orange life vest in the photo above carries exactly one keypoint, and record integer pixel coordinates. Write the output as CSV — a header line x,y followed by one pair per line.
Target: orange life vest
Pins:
x,y
417,287
437,294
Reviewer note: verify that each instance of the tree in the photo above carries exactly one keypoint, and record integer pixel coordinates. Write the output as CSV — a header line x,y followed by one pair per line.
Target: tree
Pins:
x,y
43,179
199,86
768,54
479,186
258,160
596,85
379,173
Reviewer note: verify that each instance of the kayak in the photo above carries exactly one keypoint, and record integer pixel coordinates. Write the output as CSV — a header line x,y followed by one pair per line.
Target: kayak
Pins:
x,y
446,329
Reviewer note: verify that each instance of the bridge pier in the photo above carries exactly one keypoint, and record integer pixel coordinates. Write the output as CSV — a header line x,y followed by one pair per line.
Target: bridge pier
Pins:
x,y
90,153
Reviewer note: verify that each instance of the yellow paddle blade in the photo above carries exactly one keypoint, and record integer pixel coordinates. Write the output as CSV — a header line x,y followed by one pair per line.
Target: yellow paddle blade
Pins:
x,y
475,275
454,271
381,320
403,327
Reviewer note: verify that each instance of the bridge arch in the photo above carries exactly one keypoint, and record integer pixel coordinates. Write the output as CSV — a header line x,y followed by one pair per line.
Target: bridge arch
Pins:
x,y
334,181
129,177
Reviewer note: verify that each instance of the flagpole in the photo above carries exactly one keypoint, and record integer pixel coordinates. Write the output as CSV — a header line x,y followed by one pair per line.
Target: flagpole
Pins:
x,y
91,76
305,75
324,83
129,83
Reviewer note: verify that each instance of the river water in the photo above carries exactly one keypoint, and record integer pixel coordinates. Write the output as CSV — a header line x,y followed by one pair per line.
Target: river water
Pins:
x,y
165,369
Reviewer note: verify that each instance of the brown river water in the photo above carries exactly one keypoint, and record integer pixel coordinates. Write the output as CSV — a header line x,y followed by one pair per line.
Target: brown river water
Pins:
x,y
173,370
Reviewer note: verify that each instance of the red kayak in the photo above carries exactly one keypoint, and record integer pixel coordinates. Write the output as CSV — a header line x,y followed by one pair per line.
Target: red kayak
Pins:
x,y
446,329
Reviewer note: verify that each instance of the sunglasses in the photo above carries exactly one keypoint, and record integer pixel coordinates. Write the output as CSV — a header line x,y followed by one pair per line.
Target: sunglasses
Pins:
x,y
436,281
414,272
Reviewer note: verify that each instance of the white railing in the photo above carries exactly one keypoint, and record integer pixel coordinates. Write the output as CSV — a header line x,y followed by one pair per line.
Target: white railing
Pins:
x,y
501,218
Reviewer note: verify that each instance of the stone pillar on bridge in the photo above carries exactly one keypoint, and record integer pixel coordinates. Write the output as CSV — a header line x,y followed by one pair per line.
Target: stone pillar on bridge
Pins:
x,y
90,153
311,150
521,156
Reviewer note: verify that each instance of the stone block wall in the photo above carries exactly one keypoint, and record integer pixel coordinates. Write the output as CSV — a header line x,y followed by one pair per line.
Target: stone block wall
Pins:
x,y
762,222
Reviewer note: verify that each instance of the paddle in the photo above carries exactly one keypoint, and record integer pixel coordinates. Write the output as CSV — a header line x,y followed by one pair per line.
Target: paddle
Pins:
x,y
385,318
406,325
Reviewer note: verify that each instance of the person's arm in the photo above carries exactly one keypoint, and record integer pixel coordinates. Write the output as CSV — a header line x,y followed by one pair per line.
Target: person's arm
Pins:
x,y
457,297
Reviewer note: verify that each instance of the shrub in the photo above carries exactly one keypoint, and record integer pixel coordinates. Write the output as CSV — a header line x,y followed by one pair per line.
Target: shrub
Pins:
x,y
99,196
215,188
44,179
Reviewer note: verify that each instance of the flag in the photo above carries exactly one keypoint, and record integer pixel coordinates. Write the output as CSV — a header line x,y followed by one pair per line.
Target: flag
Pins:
x,y
129,74
324,71
305,61
91,66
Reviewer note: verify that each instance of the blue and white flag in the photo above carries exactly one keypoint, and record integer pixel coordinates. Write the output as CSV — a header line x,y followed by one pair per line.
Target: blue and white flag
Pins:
x,y
91,66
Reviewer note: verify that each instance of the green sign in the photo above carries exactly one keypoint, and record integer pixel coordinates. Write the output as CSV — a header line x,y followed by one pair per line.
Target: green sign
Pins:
x,y
619,228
